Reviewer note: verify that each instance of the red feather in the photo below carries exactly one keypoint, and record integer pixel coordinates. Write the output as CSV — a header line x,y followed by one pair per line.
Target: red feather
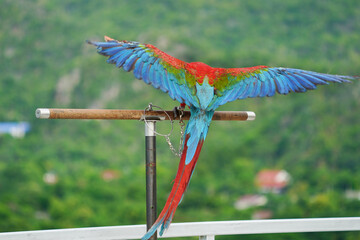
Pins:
x,y
177,63
181,182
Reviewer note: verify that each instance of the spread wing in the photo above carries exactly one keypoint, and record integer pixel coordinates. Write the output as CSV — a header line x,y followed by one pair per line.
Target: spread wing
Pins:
x,y
263,81
153,66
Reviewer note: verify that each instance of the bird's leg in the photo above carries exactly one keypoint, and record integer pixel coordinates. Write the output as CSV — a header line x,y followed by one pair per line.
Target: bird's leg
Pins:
x,y
176,112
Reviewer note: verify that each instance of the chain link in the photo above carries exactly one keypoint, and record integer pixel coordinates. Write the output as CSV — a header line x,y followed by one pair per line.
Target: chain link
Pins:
x,y
167,136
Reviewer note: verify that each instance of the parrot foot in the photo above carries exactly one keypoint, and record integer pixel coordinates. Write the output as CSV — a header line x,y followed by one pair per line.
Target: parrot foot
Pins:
x,y
178,111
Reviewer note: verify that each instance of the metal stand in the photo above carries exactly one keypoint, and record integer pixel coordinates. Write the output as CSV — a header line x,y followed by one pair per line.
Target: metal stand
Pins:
x,y
150,146
150,137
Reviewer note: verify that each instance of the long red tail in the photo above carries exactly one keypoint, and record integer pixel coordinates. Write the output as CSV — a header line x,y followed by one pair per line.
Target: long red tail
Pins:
x,y
181,182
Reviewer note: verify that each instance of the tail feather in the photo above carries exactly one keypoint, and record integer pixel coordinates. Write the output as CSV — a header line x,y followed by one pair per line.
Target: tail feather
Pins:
x,y
195,134
181,182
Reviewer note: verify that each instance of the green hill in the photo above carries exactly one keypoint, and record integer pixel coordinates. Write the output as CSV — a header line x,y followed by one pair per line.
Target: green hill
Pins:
x,y
45,62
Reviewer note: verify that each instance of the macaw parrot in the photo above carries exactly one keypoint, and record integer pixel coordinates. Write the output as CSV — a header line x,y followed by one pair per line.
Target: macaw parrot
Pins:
x,y
203,89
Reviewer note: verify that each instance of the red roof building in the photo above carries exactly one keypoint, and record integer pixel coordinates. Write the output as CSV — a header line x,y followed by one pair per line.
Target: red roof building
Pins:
x,y
262,214
109,175
248,201
272,180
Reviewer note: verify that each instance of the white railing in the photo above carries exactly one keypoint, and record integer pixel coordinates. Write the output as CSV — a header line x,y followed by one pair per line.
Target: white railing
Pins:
x,y
205,230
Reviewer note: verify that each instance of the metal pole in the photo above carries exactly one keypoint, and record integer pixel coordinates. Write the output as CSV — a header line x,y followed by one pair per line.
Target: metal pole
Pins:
x,y
150,146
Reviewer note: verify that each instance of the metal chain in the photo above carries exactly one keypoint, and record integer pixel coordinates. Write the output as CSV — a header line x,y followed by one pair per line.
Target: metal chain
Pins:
x,y
182,132
150,108
167,136
182,125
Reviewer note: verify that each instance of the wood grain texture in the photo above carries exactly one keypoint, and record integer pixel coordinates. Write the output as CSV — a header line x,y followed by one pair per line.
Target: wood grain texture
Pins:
x,y
60,113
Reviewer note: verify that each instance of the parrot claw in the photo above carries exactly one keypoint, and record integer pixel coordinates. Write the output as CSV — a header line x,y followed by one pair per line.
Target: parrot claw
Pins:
x,y
178,111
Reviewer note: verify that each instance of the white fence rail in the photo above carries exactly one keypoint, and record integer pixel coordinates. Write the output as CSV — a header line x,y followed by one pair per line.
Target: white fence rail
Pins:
x,y
205,230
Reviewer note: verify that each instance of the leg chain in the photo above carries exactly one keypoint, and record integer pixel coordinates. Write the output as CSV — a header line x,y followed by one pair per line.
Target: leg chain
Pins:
x,y
179,111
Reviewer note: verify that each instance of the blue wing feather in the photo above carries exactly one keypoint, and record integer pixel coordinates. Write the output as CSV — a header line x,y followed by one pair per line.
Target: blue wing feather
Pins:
x,y
114,57
229,96
288,83
123,57
172,87
130,62
145,57
272,87
264,85
145,72
138,69
156,68
314,79
246,91
280,86
257,88
163,73
160,79
149,66
151,76
157,76
177,92
296,83
111,51
304,82
326,77
268,81
101,45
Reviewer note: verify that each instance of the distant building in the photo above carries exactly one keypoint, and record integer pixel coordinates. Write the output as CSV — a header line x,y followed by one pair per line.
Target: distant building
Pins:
x,y
273,181
15,129
262,214
109,175
352,194
42,215
248,201
50,178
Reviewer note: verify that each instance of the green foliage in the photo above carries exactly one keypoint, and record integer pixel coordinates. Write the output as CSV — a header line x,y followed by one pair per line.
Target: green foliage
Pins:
x,y
314,136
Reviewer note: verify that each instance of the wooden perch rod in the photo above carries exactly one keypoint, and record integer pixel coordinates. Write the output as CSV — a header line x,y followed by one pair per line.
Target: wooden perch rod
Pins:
x,y
60,113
